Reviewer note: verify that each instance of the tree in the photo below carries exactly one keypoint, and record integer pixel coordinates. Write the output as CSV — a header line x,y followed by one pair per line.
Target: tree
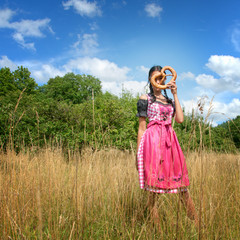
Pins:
x,y
16,81
7,83
233,130
73,88
23,80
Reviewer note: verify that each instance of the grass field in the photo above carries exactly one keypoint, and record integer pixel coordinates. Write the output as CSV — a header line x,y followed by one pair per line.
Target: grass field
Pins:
x,y
95,195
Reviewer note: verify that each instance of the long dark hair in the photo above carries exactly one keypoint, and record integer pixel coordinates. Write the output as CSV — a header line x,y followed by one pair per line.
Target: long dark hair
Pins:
x,y
153,98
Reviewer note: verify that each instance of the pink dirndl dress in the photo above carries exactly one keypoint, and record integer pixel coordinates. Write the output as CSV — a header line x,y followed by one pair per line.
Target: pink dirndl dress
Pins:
x,y
161,163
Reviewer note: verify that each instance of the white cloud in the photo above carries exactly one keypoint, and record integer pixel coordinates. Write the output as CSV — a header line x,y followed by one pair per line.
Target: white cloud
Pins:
x,y
153,10
103,69
220,112
224,65
93,26
46,72
200,91
6,62
228,69
134,87
235,37
86,45
18,37
5,16
112,87
187,76
31,28
39,71
143,69
24,28
208,81
83,7
230,110
118,4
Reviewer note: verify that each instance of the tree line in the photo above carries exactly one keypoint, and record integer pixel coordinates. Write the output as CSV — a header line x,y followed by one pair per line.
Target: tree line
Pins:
x,y
73,111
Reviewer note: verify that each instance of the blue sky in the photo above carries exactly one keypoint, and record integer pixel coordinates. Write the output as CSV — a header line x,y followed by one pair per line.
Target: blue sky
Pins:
x,y
118,41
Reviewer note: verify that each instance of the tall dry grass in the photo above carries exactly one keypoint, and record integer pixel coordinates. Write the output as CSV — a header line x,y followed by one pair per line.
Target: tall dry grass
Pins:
x,y
95,195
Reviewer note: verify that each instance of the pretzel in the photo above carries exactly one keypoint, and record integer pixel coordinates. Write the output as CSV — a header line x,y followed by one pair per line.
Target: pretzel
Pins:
x,y
163,77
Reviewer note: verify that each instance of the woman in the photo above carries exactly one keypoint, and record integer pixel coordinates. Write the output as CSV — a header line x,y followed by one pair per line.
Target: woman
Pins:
x,y
160,161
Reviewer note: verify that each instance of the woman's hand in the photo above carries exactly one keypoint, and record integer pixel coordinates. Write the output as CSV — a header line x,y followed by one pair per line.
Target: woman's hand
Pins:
x,y
173,87
179,117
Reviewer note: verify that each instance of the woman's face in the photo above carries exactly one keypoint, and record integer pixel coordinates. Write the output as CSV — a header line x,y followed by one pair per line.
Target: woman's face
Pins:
x,y
158,81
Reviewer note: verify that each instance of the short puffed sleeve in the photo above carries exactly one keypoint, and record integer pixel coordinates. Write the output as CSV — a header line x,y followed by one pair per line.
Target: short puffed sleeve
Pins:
x,y
142,105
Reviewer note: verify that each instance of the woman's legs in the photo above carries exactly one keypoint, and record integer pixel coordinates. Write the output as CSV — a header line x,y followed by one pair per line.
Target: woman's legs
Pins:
x,y
152,206
185,199
189,205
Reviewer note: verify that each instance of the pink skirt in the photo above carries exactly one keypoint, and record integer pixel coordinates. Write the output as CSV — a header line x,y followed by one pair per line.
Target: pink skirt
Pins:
x,y
161,163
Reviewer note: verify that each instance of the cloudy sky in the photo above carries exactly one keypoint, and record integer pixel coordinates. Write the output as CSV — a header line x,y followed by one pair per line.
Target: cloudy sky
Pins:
x,y
118,41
